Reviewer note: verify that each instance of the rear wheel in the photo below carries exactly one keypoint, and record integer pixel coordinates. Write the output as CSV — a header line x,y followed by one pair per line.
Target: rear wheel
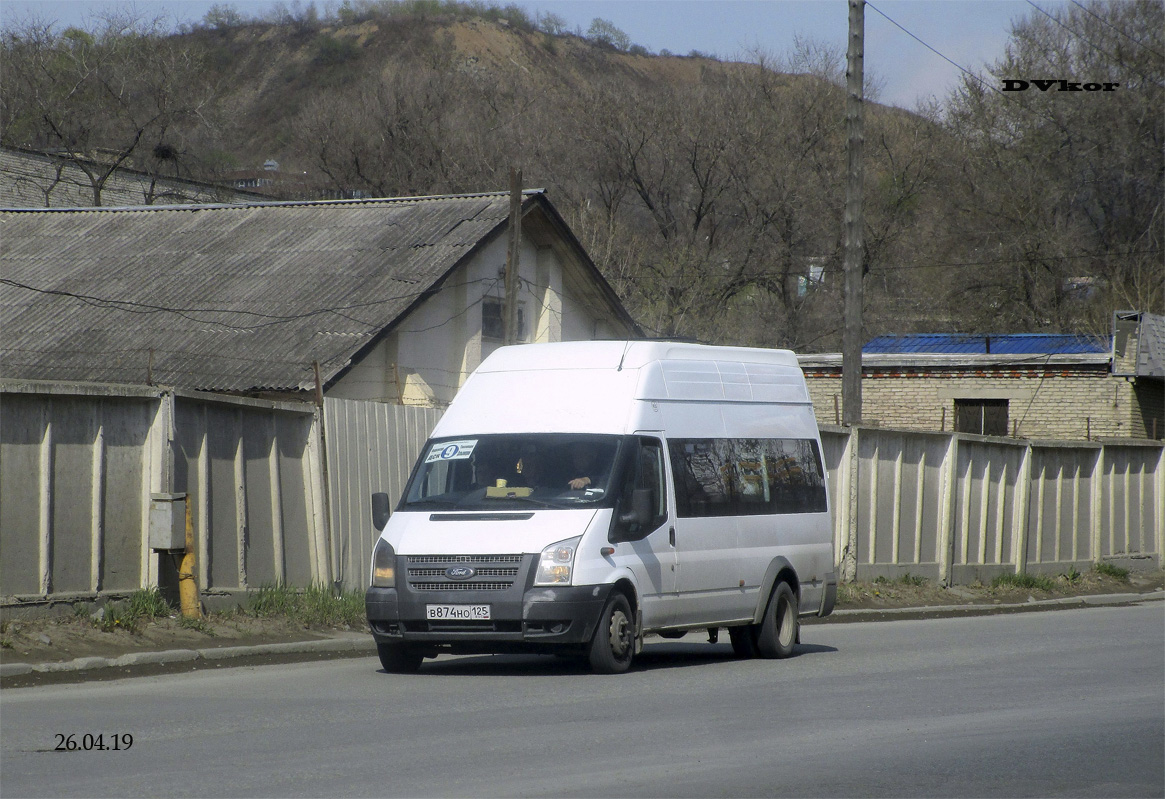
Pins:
x,y
614,643
399,658
779,629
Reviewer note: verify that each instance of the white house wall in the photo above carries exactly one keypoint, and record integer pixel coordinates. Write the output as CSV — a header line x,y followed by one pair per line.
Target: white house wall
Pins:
x,y
425,360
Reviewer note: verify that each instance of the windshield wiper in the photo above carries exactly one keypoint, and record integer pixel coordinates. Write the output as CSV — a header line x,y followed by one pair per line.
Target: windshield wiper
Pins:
x,y
421,504
539,502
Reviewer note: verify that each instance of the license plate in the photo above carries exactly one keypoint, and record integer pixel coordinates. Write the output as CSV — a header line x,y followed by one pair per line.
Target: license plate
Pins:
x,y
459,612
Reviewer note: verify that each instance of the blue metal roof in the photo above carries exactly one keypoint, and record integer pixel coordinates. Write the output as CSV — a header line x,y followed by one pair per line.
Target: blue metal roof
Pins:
x,y
1006,344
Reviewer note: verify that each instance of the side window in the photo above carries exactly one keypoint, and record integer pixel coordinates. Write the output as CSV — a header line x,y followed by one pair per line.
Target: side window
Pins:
x,y
747,476
643,473
701,470
651,477
795,477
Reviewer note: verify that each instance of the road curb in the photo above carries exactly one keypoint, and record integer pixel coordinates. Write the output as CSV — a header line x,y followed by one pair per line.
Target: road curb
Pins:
x,y
357,643
942,611
165,657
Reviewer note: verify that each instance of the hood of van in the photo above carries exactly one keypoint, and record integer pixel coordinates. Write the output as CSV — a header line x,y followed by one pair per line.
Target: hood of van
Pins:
x,y
426,533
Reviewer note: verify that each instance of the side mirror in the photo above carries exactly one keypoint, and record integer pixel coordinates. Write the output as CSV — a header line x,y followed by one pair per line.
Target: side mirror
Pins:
x,y
640,514
381,510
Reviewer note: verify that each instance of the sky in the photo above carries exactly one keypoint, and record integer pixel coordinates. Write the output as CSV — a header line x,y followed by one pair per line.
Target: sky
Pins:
x,y
970,33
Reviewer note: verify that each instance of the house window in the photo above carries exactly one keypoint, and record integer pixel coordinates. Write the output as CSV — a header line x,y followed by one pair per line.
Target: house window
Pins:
x,y
493,319
985,417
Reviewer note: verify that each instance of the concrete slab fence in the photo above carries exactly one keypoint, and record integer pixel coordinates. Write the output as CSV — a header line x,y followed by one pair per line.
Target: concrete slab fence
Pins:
x,y
280,492
958,508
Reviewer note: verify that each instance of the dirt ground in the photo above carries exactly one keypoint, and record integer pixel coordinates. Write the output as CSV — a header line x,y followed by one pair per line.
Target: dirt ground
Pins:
x,y
59,639
904,594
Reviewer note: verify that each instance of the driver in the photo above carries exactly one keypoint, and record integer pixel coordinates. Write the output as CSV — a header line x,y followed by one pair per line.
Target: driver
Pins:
x,y
584,461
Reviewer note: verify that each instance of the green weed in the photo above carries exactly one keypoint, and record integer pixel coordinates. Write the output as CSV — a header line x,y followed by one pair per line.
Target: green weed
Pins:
x,y
847,593
144,604
906,579
199,624
1108,570
913,579
314,605
1025,581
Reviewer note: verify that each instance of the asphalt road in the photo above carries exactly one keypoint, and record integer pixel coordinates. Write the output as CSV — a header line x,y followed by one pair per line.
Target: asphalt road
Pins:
x,y
1070,703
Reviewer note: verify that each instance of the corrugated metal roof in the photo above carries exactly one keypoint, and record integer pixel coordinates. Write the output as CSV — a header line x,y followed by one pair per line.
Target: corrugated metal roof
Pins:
x,y
1139,345
1151,353
1005,344
232,298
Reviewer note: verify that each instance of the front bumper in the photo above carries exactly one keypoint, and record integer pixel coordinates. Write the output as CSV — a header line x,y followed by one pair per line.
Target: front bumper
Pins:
x,y
544,618
523,617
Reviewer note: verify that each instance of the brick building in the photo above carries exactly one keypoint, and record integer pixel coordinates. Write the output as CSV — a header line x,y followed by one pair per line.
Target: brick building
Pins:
x,y
1029,386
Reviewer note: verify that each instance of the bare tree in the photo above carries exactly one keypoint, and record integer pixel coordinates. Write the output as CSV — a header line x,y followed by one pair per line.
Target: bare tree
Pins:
x,y
1060,193
123,94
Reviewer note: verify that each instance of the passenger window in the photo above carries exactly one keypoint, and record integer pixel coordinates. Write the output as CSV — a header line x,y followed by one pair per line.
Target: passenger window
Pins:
x,y
747,476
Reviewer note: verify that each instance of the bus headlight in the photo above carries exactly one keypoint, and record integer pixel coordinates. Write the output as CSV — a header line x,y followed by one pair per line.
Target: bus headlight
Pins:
x,y
556,564
383,565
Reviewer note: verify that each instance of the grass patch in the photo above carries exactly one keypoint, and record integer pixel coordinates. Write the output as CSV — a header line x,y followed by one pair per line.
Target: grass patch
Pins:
x,y
145,604
199,624
906,579
314,605
848,593
1026,581
1115,572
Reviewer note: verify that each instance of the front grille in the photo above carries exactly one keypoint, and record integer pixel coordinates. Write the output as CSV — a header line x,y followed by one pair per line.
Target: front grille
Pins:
x,y
452,586
510,572
491,572
454,559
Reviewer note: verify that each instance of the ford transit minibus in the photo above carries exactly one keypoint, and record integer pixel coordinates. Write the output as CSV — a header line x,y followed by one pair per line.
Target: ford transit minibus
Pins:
x,y
577,497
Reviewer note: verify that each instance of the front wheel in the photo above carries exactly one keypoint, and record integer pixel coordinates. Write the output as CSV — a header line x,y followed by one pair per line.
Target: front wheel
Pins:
x,y
614,643
779,631
399,658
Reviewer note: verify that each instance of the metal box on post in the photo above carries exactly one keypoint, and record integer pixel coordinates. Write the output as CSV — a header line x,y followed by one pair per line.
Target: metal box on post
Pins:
x,y
168,521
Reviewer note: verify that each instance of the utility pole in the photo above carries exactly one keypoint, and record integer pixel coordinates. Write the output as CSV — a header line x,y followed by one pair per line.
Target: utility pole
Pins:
x,y
511,276
851,344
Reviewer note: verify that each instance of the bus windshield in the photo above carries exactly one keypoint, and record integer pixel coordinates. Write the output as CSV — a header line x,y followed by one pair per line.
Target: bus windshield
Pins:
x,y
514,471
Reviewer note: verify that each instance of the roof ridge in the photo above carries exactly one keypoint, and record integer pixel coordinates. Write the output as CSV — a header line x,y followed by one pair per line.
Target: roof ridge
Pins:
x,y
271,204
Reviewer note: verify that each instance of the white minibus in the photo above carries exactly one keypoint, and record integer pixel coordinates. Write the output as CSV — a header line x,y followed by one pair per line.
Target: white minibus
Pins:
x,y
577,497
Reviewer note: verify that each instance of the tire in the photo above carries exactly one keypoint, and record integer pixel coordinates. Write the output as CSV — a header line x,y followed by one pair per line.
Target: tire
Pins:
x,y
613,645
780,627
743,641
399,658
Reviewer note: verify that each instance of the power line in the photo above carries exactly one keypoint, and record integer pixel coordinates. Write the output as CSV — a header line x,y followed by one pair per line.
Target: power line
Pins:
x,y
1105,22
987,86
924,44
133,306
1087,41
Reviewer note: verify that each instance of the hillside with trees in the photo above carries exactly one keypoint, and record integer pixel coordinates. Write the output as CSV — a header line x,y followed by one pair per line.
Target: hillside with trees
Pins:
x,y
709,193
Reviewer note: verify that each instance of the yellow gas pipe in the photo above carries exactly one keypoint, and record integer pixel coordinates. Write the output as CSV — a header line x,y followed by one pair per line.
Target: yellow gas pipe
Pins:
x,y
187,584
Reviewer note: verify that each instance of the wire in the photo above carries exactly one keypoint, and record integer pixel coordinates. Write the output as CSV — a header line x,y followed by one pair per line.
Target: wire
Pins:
x,y
985,85
133,306
1128,36
924,44
1087,41
462,312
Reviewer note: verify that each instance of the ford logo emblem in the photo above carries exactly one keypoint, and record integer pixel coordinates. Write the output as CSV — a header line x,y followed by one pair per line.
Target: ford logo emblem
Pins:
x,y
459,572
